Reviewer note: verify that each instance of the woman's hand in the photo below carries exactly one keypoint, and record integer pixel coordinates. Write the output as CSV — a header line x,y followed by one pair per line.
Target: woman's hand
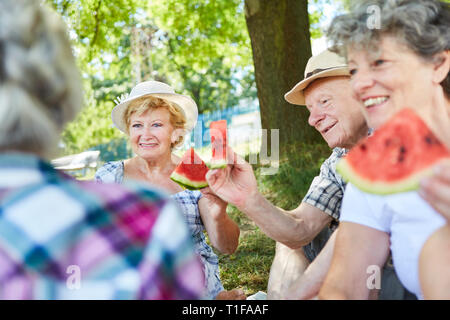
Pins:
x,y
216,206
222,231
436,189
234,184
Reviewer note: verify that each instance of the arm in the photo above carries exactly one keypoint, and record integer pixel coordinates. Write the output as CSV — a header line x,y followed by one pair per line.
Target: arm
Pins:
x,y
237,185
436,190
223,232
357,247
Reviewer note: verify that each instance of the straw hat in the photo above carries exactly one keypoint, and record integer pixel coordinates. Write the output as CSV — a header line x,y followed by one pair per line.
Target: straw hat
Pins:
x,y
159,90
325,64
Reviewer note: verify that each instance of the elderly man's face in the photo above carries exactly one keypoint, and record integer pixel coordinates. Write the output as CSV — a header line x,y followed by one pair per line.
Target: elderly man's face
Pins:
x,y
334,112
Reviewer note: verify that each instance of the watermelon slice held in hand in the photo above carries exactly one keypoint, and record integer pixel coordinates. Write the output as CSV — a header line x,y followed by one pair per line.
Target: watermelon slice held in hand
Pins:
x,y
191,172
395,158
218,133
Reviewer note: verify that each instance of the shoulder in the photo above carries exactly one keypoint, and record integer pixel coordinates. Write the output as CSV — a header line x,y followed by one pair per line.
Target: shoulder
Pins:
x,y
110,172
328,169
335,156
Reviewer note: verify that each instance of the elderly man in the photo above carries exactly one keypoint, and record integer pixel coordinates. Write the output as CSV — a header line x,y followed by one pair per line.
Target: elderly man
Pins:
x,y
303,232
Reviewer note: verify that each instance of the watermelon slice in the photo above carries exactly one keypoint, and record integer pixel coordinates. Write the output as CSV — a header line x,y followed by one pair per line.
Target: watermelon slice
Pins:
x,y
218,133
395,158
191,171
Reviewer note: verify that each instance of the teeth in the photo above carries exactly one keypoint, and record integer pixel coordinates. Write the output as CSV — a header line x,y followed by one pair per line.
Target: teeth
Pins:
x,y
373,101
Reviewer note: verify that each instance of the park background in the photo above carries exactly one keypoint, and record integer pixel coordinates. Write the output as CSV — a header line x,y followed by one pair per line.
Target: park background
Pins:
x,y
236,59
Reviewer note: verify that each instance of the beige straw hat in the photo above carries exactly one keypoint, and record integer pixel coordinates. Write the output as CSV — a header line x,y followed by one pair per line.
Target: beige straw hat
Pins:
x,y
325,64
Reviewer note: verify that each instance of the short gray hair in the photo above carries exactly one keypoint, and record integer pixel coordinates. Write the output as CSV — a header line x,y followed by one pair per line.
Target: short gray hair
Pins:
x,y
40,87
422,25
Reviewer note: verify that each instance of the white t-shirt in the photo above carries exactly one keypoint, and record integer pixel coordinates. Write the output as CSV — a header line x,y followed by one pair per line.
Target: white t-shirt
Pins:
x,y
406,217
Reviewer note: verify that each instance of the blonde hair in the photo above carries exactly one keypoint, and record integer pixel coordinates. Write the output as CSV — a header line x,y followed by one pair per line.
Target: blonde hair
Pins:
x,y
143,104
40,88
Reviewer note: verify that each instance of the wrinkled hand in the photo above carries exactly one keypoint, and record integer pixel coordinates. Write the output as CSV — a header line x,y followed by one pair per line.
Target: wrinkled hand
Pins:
x,y
436,189
215,203
235,183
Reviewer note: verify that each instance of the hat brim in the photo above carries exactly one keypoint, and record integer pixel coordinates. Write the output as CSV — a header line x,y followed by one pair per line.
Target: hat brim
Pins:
x,y
185,103
296,96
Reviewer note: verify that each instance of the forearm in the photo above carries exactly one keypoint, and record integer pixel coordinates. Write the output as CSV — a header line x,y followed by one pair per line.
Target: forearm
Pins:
x,y
277,223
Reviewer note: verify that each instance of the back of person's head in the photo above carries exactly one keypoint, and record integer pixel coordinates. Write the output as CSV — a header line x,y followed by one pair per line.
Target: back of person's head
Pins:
x,y
40,88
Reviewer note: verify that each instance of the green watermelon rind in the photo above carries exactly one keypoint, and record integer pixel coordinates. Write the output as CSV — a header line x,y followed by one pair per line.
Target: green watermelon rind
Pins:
x,y
379,187
217,164
188,184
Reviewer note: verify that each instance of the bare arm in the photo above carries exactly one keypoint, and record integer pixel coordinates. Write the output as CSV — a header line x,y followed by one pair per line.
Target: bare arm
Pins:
x,y
294,228
357,247
222,231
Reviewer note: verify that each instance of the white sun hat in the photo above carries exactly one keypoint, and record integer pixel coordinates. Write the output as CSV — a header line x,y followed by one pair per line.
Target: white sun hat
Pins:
x,y
159,90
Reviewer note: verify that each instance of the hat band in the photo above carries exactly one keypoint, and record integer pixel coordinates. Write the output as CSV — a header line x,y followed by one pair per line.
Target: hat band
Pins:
x,y
316,71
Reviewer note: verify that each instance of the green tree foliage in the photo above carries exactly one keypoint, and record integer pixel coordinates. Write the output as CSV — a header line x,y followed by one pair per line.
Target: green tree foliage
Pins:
x,y
202,48
207,42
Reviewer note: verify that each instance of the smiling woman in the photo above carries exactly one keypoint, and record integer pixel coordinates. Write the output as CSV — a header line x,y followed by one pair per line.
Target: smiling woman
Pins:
x,y
155,118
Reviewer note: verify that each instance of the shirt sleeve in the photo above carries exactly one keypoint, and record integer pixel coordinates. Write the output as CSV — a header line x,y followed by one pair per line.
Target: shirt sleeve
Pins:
x,y
365,209
110,172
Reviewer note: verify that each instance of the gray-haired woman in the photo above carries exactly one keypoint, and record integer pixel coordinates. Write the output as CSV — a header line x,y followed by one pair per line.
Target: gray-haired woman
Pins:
x,y
398,55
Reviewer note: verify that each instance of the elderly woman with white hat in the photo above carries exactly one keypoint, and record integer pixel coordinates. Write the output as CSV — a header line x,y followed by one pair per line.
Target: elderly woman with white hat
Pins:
x,y
155,119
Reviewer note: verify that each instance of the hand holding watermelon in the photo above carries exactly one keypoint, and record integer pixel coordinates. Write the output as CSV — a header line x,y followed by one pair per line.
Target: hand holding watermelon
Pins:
x,y
236,182
213,202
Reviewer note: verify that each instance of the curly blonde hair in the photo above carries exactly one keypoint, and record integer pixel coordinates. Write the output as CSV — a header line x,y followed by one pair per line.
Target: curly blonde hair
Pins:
x,y
143,104
40,87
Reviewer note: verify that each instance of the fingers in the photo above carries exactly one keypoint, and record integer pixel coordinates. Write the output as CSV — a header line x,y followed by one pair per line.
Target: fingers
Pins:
x,y
211,177
233,158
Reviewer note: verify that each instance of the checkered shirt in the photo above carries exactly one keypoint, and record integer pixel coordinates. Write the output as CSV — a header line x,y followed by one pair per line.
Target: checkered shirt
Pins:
x,y
66,239
327,189
188,202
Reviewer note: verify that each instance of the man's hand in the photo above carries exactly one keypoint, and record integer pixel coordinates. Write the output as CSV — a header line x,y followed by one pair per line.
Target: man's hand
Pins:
x,y
234,184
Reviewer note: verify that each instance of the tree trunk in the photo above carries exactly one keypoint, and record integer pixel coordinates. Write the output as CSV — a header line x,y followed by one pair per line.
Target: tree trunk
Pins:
x,y
279,33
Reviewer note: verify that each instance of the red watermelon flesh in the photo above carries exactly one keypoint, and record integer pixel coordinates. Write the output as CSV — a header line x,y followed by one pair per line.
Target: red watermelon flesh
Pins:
x,y
191,172
395,157
218,133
